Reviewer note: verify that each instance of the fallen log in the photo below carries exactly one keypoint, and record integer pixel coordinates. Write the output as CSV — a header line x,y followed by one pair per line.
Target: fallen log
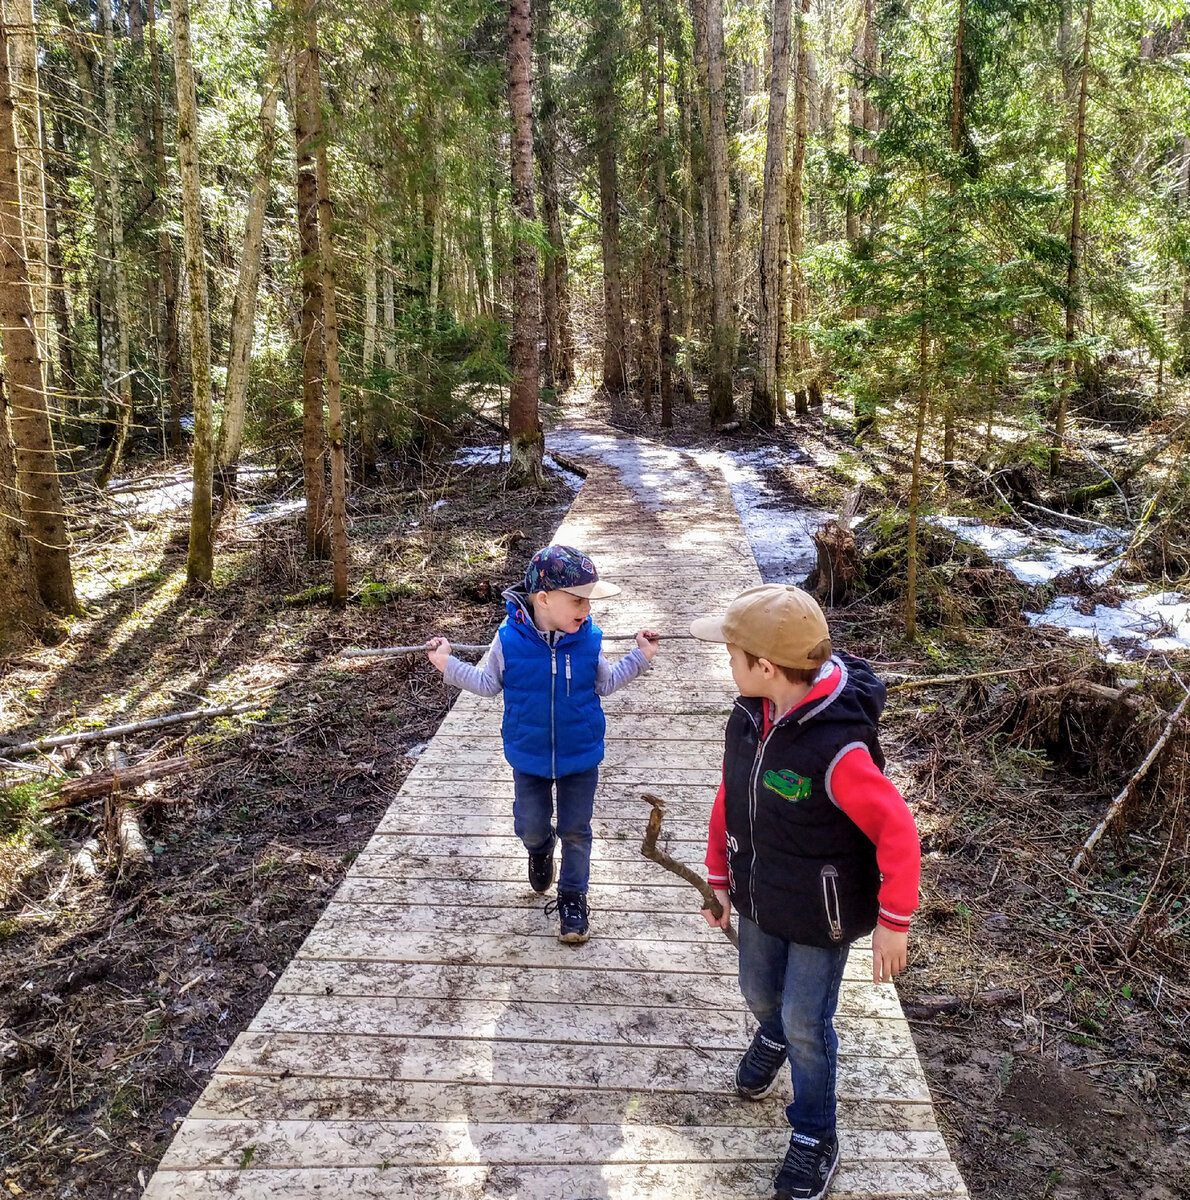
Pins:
x,y
923,1008
648,848
86,787
1118,803
99,735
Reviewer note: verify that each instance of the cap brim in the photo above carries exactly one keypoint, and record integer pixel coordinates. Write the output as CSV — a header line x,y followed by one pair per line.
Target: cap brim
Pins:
x,y
593,591
708,629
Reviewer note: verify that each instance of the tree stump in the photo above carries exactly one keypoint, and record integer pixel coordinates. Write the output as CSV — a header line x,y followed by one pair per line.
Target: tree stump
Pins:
x,y
834,578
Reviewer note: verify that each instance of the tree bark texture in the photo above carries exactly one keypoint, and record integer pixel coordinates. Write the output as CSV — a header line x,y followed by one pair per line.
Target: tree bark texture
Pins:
x,y
665,345
22,613
765,398
201,554
243,313
524,426
330,324
313,457
40,497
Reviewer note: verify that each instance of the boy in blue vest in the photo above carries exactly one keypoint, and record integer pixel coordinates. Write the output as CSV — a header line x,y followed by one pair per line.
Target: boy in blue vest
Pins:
x,y
814,846
547,657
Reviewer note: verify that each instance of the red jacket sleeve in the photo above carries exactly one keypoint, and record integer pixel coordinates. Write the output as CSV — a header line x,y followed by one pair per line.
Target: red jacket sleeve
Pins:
x,y
858,786
716,859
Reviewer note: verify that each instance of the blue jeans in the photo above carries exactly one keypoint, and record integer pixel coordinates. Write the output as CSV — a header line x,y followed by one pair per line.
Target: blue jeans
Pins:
x,y
792,990
533,820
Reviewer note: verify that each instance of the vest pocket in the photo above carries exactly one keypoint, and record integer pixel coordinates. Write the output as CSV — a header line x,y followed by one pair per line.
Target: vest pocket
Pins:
x,y
830,902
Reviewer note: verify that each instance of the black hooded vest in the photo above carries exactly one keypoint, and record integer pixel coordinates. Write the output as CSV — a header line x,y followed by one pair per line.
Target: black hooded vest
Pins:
x,y
798,865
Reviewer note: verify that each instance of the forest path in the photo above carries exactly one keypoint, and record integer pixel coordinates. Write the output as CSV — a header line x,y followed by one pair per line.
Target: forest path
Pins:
x,y
433,1039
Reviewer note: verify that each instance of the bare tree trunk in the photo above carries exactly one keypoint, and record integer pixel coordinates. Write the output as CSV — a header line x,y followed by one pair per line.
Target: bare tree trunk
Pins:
x,y
689,251
615,345
55,188
22,613
526,442
26,101
647,342
722,403
330,322
765,398
389,330
313,457
168,333
923,406
367,426
665,345
243,313
123,394
1074,269
105,264
200,559
799,350
37,475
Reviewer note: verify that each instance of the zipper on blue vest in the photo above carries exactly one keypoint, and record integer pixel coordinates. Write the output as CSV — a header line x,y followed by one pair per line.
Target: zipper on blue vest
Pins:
x,y
568,674
553,691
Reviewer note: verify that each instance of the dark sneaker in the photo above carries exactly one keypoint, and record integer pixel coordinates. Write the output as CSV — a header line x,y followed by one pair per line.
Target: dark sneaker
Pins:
x,y
541,869
809,1165
571,908
757,1073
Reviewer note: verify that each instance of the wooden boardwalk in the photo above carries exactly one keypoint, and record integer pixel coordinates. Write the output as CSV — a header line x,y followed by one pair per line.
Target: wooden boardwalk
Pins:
x,y
433,1039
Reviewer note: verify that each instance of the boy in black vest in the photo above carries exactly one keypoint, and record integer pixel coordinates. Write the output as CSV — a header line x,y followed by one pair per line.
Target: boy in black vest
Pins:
x,y
814,846
547,658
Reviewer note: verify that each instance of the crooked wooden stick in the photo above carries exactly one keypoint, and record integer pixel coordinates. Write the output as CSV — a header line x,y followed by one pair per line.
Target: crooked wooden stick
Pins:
x,y
648,848
1118,803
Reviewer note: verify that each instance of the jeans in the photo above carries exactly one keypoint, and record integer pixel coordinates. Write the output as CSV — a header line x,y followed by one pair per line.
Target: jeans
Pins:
x,y
532,817
792,990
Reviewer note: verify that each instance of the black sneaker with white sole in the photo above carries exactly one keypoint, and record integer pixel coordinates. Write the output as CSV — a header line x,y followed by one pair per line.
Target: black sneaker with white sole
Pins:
x,y
757,1072
541,869
808,1168
571,908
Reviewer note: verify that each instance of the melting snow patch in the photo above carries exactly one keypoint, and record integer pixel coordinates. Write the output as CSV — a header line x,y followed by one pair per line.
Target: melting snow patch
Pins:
x,y
1160,621
1031,559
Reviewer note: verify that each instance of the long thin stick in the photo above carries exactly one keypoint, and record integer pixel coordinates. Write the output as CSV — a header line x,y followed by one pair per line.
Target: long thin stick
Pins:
x,y
99,735
648,848
476,647
1114,807
905,684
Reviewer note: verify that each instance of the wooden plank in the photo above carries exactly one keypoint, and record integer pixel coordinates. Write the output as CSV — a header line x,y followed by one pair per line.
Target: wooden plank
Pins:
x,y
280,1144
615,1181
309,1099
527,1021
607,825
551,1064
446,845
428,981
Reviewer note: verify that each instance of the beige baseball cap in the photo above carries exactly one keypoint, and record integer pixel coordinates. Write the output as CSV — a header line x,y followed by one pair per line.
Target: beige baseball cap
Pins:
x,y
773,621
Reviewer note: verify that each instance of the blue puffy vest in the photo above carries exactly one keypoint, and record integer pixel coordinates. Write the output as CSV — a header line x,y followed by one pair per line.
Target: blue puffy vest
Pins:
x,y
553,721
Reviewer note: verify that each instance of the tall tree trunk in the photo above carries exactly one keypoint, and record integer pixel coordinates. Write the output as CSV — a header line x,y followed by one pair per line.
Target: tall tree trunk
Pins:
x,y
949,430
25,99
200,559
555,284
648,350
722,403
122,415
330,323
799,350
765,398
923,406
169,350
22,613
389,330
689,249
367,426
24,371
55,190
526,442
243,313
1074,267
105,264
615,342
664,250
313,457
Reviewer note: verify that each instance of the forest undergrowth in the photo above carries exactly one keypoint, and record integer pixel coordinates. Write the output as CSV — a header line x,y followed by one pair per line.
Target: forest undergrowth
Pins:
x,y
1050,1007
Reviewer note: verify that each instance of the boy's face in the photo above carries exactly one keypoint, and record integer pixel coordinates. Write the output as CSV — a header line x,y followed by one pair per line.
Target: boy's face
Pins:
x,y
560,610
750,678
